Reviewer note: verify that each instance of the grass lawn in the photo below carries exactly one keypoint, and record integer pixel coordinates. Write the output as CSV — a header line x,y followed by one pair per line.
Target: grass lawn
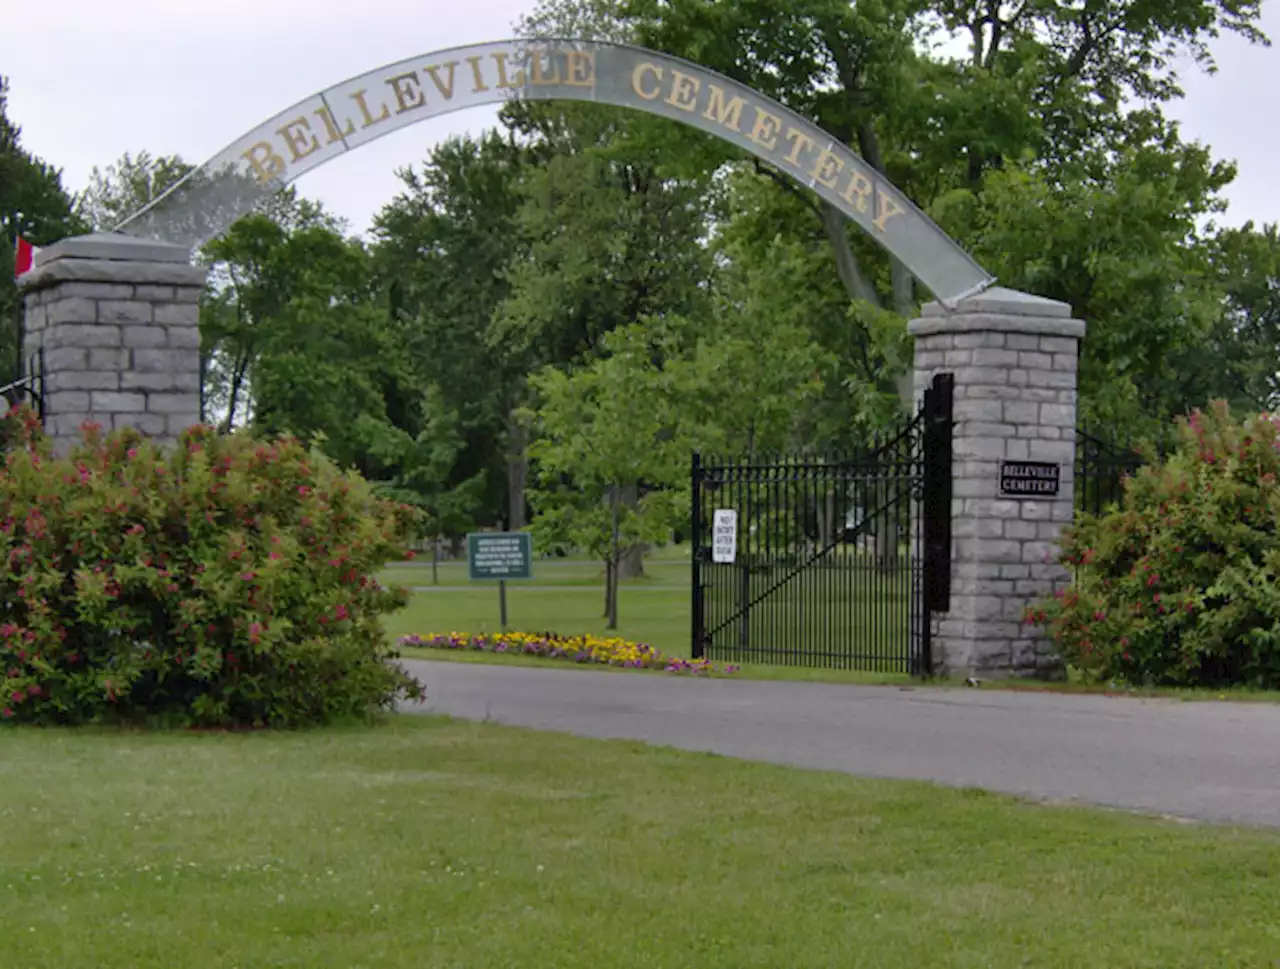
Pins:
x,y
430,843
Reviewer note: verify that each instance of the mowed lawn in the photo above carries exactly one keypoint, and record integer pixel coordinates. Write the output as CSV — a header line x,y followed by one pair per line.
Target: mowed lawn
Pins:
x,y
431,843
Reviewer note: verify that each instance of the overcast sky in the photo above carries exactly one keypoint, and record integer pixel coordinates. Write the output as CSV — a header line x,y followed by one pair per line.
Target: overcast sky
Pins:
x,y
91,79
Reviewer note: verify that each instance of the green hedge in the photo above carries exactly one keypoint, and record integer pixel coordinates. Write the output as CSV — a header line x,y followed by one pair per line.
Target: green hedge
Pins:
x,y
224,582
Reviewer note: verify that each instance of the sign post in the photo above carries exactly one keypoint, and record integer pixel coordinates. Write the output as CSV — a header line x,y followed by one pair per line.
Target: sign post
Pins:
x,y
500,556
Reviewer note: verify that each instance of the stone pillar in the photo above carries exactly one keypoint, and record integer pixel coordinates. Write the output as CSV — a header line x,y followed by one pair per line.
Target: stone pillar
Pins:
x,y
117,319
1014,357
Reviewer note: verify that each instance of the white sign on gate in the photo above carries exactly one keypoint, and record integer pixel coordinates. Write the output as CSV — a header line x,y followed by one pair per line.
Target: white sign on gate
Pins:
x,y
724,536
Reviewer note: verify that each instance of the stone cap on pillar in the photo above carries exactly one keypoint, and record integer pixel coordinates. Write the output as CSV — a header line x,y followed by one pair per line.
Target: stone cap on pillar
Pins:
x,y
109,257
999,310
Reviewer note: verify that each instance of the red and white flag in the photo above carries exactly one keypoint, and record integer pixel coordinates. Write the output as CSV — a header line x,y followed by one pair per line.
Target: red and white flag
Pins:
x,y
25,257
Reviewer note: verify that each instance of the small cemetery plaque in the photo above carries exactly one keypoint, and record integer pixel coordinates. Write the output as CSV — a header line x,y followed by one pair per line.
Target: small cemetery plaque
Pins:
x,y
1029,479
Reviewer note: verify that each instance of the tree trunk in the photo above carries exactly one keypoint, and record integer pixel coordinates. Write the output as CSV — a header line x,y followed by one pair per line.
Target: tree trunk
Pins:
x,y
615,503
435,560
608,586
855,283
517,473
631,563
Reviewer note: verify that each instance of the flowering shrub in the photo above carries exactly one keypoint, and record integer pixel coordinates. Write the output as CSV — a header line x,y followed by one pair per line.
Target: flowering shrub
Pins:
x,y
223,582
579,649
1180,586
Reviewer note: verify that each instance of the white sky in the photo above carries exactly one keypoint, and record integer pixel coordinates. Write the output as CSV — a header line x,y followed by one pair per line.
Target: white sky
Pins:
x,y
91,79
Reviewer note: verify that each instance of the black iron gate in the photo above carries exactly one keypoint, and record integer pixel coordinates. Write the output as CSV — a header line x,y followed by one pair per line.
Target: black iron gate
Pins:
x,y
831,561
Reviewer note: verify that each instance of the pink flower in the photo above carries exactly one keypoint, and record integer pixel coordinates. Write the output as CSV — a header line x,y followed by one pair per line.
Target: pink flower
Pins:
x,y
6,713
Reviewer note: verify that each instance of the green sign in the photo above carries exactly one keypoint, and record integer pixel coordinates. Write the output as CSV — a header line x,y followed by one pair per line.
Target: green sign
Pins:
x,y
500,555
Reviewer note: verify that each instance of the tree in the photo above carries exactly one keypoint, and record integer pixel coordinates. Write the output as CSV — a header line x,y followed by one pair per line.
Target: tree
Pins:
x,y
444,246
126,187
419,469
1068,93
608,426
33,205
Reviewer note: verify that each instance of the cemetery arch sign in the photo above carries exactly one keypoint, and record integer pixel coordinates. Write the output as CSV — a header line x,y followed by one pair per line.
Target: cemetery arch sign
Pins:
x,y
360,109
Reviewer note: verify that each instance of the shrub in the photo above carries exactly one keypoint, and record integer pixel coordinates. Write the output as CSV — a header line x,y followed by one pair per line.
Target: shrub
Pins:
x,y
1179,585
576,649
222,582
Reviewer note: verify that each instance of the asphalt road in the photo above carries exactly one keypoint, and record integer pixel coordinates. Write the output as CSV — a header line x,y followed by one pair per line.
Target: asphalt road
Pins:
x,y
1204,760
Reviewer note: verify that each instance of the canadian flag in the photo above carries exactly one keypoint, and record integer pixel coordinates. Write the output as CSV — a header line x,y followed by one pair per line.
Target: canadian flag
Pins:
x,y
24,257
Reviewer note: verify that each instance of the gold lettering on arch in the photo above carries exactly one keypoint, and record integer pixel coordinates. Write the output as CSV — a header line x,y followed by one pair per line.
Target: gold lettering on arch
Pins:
x,y
638,81
445,89
726,115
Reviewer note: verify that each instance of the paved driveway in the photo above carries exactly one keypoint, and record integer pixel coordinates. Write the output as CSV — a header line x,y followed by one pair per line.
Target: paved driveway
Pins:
x,y
1212,761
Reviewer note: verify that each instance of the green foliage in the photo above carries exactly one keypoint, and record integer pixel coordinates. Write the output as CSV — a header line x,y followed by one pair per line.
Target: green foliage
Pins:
x,y
1181,585
227,582
127,186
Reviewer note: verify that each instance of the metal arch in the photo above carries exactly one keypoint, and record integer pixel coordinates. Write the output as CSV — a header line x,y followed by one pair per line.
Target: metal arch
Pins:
x,y
361,109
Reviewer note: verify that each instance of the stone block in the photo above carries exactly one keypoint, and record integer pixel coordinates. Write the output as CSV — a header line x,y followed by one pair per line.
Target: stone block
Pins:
x,y
65,358
123,311
1058,415
969,527
108,359
163,361
1039,553
1034,588
145,335
983,448
95,290
1001,508
75,309
82,380
978,410
83,335
1017,450
180,314
68,400
1019,529
1048,531
991,357
984,429
988,551
1060,344
109,401
975,341
173,403
187,294
177,423
1021,412
957,358
1064,452
929,359
1057,379
149,424
1019,378
973,488
1066,362
155,294
174,380
1022,341
1035,361
999,392
1015,571
992,376
184,337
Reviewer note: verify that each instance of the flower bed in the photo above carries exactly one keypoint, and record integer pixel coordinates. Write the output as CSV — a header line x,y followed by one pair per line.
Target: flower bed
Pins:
x,y
576,649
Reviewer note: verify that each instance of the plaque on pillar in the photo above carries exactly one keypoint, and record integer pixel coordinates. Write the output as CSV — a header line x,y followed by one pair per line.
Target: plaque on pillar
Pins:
x,y
1030,479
